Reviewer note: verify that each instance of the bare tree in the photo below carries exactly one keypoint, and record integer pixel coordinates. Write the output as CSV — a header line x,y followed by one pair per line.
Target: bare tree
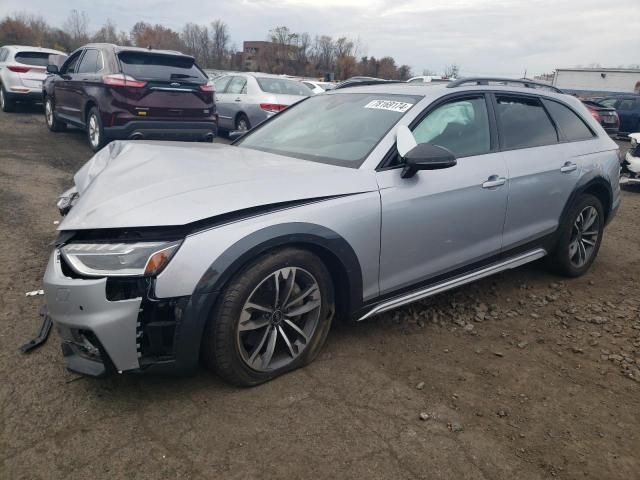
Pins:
x,y
196,41
452,71
219,43
77,26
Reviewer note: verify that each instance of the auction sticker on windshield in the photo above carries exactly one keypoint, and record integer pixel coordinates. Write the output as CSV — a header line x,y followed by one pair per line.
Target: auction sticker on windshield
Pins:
x,y
390,105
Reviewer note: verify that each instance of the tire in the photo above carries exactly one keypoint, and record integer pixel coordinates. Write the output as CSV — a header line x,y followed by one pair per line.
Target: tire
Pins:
x,y
576,251
53,124
6,105
242,123
95,130
241,355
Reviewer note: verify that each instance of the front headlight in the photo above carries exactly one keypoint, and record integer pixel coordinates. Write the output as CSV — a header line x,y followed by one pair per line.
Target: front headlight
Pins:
x,y
119,259
634,142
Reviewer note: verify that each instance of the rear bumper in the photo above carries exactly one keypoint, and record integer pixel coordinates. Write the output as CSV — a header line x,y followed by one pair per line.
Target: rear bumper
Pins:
x,y
28,95
164,130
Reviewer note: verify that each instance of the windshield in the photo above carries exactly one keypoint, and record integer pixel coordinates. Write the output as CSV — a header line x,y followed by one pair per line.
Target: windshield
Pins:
x,y
339,129
280,85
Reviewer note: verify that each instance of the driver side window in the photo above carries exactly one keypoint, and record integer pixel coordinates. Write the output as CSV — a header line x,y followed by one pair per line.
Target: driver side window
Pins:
x,y
461,126
70,66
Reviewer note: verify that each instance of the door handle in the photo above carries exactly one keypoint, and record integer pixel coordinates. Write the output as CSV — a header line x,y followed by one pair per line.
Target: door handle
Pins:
x,y
494,181
568,167
238,99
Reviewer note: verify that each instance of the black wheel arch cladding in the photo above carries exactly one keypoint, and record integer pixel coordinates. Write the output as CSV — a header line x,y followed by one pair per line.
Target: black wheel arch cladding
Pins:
x,y
326,243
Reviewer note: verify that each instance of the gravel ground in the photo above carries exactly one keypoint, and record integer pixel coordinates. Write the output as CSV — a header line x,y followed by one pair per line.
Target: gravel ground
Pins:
x,y
524,375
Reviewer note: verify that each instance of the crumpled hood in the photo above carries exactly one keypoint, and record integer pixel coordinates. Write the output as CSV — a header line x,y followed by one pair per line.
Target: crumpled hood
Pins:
x,y
144,184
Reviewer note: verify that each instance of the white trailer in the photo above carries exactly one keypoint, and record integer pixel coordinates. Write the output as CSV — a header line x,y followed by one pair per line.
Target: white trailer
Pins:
x,y
597,80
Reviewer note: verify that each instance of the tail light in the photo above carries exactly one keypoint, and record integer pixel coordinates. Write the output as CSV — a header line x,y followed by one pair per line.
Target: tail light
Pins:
x,y
208,87
272,107
23,69
595,114
615,115
122,80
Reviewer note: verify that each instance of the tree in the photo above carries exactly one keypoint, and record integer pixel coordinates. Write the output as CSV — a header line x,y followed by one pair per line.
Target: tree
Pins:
x,y
196,42
219,44
452,71
404,72
156,36
108,33
77,26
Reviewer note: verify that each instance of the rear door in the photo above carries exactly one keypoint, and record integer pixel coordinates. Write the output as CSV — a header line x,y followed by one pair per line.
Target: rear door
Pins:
x,y
232,101
221,84
543,169
171,86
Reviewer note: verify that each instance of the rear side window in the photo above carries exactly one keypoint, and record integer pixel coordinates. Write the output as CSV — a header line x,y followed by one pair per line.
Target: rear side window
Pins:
x,y
462,126
524,123
38,59
570,124
91,62
221,83
237,85
151,66
282,86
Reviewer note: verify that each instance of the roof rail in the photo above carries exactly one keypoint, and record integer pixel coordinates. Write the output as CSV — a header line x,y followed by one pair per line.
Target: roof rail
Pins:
x,y
363,82
502,81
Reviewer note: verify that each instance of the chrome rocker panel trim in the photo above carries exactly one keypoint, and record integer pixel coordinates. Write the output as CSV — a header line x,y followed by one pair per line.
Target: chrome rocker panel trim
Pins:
x,y
508,264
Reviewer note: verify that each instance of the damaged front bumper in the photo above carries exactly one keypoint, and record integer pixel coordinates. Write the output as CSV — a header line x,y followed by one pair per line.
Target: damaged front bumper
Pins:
x,y
113,324
630,168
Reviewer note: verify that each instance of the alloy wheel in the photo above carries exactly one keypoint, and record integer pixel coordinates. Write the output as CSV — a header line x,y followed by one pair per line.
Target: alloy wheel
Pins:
x,y
584,237
48,112
242,125
94,131
279,319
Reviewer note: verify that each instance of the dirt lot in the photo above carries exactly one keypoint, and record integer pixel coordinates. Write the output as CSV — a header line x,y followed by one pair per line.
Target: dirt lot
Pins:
x,y
521,376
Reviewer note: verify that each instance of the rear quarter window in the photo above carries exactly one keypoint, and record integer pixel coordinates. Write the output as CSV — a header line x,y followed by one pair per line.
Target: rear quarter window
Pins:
x,y
38,59
524,123
151,66
573,128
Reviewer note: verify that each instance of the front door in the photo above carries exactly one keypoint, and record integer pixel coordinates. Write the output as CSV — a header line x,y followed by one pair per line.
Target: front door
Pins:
x,y
66,90
440,221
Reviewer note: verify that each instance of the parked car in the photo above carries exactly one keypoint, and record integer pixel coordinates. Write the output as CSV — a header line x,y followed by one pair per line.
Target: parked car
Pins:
x,y
631,164
246,99
347,205
318,87
628,109
22,71
429,79
605,116
117,92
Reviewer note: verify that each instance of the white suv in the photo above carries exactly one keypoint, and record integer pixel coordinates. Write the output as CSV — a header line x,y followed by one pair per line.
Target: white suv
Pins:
x,y
22,71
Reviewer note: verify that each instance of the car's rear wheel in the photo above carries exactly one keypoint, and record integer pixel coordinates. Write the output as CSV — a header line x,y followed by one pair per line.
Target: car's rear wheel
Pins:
x,y
273,317
242,123
95,131
580,237
53,124
6,105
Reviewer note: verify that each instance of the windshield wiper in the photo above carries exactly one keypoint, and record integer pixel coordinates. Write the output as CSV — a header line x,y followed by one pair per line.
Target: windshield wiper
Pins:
x,y
182,75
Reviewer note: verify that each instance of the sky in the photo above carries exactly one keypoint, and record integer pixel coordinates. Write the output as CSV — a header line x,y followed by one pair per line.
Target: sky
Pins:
x,y
484,37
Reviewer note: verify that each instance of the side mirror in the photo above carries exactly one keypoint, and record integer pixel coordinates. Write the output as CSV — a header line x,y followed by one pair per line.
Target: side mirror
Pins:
x,y
53,69
425,156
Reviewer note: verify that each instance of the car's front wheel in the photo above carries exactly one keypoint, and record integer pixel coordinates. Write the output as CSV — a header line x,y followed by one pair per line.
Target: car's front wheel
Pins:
x,y
273,317
580,237
53,124
242,123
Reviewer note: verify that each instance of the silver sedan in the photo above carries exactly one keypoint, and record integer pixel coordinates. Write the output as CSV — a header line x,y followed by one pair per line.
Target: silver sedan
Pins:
x,y
244,100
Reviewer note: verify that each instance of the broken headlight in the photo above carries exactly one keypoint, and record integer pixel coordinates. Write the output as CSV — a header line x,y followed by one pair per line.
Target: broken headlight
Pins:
x,y
67,200
119,259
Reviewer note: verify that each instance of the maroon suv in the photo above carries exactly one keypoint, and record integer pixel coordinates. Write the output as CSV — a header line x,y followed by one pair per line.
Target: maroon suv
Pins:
x,y
130,93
